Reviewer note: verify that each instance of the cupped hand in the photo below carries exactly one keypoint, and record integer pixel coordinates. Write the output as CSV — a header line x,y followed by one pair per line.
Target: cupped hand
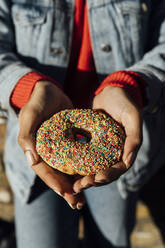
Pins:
x,y
46,100
116,102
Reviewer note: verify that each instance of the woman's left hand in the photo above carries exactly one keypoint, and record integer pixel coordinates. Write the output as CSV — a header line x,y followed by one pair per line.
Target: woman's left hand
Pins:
x,y
116,102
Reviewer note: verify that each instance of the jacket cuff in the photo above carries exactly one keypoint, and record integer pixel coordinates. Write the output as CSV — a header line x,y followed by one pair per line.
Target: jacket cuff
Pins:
x,y
24,87
129,80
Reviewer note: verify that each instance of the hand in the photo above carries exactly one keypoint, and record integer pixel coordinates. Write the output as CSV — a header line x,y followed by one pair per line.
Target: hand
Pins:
x,y
117,103
46,100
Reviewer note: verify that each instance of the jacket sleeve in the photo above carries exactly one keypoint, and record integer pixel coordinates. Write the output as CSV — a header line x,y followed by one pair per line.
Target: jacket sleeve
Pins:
x,y
152,65
11,68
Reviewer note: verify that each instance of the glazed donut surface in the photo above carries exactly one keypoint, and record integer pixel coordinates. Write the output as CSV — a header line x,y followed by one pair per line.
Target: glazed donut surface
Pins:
x,y
80,141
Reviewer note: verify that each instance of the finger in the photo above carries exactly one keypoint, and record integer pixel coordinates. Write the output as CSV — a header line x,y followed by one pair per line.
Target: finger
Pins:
x,y
110,174
29,122
131,148
132,123
30,118
84,183
75,201
59,183
81,201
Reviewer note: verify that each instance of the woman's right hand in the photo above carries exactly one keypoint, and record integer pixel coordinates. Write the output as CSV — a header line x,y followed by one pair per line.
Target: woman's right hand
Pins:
x,y
46,100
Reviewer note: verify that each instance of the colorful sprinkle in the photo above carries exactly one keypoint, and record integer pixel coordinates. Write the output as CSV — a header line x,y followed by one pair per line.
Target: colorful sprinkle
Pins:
x,y
80,141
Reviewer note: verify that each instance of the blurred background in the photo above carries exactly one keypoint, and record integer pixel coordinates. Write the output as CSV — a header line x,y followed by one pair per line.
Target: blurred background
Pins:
x,y
150,213
7,239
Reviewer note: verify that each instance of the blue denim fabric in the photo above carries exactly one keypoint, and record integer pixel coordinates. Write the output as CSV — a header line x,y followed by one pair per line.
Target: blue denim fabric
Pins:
x,y
48,222
35,35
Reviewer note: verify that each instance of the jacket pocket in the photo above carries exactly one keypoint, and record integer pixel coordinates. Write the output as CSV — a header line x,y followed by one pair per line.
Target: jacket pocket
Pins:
x,y
134,15
31,26
25,16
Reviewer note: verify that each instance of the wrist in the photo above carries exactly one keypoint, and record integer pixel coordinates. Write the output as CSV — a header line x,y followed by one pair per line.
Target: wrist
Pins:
x,y
131,82
25,87
115,91
44,84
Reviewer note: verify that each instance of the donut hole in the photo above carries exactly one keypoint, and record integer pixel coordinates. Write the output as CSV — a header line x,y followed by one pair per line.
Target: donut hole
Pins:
x,y
78,134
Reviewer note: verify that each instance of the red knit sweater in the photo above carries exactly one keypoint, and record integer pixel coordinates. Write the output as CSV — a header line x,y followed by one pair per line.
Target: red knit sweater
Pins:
x,y
81,80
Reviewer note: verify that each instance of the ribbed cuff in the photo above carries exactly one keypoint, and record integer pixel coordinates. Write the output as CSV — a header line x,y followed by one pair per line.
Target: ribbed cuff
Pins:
x,y
23,89
129,80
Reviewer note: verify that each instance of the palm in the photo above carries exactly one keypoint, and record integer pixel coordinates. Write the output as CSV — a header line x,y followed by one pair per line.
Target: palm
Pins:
x,y
115,102
45,101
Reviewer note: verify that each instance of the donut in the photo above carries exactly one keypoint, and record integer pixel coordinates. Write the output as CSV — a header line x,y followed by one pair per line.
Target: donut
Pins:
x,y
80,141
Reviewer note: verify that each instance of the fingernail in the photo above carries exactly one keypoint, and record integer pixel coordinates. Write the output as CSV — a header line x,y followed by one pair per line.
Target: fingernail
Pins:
x,y
75,193
130,159
58,193
100,181
30,158
72,206
79,206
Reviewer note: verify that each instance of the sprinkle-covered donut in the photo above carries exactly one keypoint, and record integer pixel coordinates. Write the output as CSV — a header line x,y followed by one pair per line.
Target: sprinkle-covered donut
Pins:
x,y
80,141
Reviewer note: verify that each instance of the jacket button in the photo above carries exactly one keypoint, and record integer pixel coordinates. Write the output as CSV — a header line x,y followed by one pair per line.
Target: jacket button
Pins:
x,y
105,48
155,109
144,7
57,51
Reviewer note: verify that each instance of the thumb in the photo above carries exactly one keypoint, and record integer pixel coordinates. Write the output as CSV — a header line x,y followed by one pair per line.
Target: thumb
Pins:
x,y
132,123
28,147
27,135
131,148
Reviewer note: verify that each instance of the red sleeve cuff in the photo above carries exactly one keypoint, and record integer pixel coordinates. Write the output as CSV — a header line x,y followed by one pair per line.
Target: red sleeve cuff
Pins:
x,y
23,89
129,80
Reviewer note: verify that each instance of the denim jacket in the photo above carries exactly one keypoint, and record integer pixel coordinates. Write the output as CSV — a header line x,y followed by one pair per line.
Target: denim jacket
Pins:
x,y
35,35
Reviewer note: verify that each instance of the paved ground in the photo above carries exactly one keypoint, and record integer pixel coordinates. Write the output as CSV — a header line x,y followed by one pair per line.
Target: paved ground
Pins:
x,y
145,235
